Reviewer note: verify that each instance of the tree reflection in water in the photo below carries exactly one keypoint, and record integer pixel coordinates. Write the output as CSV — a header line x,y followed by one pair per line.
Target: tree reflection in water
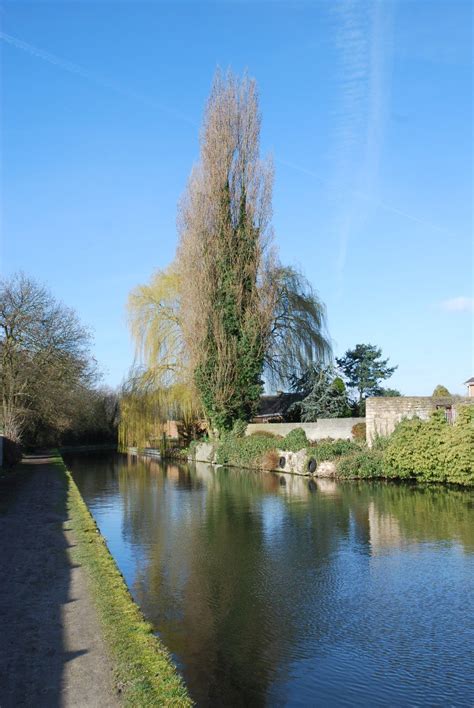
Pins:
x,y
256,581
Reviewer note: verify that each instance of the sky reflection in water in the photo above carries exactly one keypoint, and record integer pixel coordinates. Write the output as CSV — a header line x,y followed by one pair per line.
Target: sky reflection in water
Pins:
x,y
276,590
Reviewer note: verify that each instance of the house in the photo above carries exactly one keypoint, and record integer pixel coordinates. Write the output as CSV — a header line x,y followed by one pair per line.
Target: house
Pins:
x,y
470,387
276,408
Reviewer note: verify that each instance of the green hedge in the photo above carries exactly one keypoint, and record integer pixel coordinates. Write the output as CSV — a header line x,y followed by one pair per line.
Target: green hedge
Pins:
x,y
365,464
459,451
295,440
243,451
433,450
333,449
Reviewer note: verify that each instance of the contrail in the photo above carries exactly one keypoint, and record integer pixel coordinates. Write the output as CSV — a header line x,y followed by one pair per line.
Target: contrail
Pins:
x,y
361,195
366,197
117,88
99,81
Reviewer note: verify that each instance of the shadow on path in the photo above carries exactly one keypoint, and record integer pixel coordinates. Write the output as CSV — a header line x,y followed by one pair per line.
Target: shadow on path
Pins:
x,y
38,616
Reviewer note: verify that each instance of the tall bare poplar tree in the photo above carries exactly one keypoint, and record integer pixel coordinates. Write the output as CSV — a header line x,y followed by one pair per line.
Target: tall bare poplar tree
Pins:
x,y
226,312
223,255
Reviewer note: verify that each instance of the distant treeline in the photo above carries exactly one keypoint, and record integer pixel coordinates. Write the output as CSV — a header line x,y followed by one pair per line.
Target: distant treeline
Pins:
x,y
49,380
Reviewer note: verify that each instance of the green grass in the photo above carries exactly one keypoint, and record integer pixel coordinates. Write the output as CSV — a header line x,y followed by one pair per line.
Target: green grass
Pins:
x,y
143,667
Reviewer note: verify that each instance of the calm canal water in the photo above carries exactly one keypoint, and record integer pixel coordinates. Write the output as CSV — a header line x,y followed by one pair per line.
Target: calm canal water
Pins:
x,y
274,590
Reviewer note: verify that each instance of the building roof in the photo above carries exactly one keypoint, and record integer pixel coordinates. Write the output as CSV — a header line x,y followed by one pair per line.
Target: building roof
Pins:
x,y
471,380
276,405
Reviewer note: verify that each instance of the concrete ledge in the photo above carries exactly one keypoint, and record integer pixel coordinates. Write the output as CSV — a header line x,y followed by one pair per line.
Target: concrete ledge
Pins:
x,y
294,462
205,452
303,463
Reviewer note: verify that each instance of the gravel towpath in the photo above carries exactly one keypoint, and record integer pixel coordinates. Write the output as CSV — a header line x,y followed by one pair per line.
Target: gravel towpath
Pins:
x,y
51,649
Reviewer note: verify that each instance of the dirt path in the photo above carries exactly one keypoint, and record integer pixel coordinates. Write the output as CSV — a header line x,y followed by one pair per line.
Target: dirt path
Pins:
x,y
51,650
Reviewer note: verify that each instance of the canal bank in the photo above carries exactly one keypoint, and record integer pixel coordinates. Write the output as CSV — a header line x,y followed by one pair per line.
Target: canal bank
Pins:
x,y
72,634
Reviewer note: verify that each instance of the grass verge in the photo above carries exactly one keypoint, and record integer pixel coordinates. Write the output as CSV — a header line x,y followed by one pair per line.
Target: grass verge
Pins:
x,y
143,667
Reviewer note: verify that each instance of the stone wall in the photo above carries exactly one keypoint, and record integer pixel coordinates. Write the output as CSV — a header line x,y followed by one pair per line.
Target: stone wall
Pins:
x,y
383,414
336,428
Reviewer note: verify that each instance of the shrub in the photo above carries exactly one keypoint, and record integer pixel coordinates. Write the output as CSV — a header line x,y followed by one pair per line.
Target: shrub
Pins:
x,y
242,452
177,453
440,392
269,460
458,452
239,428
366,464
414,448
359,431
380,442
433,450
325,450
295,440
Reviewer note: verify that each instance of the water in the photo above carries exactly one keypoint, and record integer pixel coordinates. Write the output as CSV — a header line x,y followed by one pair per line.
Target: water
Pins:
x,y
275,590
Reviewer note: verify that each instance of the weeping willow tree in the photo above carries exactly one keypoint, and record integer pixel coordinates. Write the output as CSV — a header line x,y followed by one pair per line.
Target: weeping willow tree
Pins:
x,y
298,334
146,409
160,385
226,314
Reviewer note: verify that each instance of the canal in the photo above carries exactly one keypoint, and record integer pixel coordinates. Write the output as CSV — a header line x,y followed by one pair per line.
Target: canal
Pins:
x,y
278,590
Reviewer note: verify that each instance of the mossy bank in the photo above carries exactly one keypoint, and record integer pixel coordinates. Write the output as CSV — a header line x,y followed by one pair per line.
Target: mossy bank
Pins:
x,y
144,672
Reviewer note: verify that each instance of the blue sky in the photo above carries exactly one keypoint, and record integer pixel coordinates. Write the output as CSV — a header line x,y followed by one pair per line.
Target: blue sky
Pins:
x,y
367,110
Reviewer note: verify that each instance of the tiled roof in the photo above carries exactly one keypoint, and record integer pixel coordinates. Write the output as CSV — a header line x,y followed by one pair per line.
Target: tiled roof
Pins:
x,y
277,404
